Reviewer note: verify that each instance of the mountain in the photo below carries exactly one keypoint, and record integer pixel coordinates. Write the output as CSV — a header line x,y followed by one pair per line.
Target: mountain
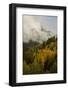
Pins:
x,y
30,44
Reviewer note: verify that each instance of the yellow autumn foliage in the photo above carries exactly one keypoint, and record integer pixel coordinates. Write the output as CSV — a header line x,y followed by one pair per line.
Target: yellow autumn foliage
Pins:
x,y
43,54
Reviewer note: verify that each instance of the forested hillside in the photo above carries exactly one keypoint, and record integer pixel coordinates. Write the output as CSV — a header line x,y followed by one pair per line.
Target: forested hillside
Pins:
x,y
40,58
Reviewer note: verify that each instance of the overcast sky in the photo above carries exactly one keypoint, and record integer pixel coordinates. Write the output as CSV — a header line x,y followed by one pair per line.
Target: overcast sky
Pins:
x,y
32,27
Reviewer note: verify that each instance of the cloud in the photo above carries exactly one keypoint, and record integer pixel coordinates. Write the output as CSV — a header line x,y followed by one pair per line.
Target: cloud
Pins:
x,y
32,29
